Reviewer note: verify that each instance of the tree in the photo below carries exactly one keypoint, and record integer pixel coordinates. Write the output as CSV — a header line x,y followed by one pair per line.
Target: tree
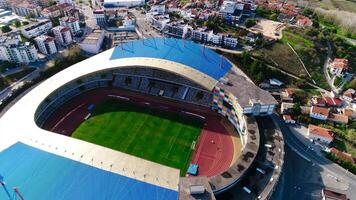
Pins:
x,y
6,29
250,23
25,23
17,23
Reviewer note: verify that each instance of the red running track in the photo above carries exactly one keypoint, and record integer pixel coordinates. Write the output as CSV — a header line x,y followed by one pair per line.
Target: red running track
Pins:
x,y
214,150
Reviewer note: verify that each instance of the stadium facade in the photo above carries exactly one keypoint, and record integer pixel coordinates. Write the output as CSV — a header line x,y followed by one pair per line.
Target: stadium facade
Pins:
x,y
174,69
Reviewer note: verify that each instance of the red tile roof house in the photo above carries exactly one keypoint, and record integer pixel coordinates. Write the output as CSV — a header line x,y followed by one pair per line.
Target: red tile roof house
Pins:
x,y
339,66
338,118
333,101
350,113
342,155
319,134
319,113
332,195
303,21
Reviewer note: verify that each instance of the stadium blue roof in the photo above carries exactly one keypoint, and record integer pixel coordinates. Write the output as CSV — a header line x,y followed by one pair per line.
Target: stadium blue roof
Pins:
x,y
185,52
42,175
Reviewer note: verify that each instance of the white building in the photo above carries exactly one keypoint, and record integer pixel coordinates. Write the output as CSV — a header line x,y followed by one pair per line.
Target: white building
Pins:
x,y
339,66
159,22
319,134
46,44
176,29
92,43
26,9
64,1
109,4
72,23
62,35
228,8
158,9
12,49
36,29
319,113
99,16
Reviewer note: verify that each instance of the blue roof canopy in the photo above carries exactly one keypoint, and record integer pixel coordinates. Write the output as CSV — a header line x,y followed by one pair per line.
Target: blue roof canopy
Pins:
x,y
184,52
42,175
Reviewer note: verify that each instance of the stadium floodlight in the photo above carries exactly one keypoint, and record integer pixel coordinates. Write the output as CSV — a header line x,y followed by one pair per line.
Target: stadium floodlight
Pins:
x,y
17,191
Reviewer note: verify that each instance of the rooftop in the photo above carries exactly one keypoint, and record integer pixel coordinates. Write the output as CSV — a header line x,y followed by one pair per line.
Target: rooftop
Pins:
x,y
42,175
340,63
320,110
181,51
244,90
324,132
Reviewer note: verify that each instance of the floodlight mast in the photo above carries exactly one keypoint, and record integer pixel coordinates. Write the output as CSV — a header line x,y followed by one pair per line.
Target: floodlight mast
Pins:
x,y
17,191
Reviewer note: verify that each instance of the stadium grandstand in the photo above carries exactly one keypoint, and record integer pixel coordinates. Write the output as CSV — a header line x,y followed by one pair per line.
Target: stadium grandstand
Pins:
x,y
35,163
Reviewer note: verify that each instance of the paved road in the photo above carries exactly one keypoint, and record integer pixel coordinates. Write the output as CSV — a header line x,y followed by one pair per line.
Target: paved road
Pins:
x,y
329,80
305,172
8,91
143,27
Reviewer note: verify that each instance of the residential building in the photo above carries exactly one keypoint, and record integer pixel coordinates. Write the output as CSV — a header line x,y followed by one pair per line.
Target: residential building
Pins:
x,y
158,22
99,15
288,119
328,194
333,101
4,4
228,8
51,12
342,155
68,10
319,134
176,29
62,35
64,1
26,9
112,4
72,23
46,44
318,101
349,95
303,21
349,112
36,29
200,35
319,113
92,43
12,49
215,38
159,9
339,66
338,118
286,107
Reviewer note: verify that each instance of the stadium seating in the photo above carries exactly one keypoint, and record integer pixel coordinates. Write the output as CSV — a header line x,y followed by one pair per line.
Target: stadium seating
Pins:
x,y
145,80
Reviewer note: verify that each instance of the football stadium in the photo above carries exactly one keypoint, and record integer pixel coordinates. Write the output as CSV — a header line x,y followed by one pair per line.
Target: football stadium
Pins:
x,y
157,118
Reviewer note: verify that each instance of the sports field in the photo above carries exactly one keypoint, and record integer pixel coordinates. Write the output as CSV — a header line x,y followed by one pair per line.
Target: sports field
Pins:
x,y
152,134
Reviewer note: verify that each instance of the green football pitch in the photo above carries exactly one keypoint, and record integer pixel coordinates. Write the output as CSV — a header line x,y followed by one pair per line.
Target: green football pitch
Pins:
x,y
159,136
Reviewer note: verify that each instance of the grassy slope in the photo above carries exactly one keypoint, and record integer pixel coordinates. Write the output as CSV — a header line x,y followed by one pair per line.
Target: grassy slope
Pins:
x,y
282,54
313,59
162,137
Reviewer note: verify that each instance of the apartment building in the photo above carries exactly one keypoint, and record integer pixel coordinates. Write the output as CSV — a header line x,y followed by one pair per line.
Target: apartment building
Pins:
x,y
46,44
12,49
72,23
25,9
62,35
36,29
